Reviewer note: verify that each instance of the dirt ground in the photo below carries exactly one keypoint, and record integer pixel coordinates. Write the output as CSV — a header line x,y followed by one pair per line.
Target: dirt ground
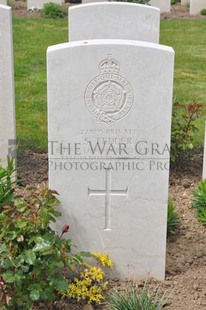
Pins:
x,y
186,252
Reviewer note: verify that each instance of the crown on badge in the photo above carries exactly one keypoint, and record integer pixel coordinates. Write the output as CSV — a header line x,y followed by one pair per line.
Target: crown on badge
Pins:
x,y
109,65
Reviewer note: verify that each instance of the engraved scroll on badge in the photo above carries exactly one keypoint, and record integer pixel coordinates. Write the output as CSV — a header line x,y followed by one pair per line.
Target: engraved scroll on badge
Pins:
x,y
109,96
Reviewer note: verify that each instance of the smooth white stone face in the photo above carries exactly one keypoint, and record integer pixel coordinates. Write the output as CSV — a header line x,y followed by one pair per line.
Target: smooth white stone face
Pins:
x,y
39,4
7,103
109,120
3,2
114,20
204,158
163,5
196,6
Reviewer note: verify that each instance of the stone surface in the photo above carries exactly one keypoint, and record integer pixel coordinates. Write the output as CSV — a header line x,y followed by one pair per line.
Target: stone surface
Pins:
x,y
109,120
163,5
196,6
3,2
39,4
7,105
142,24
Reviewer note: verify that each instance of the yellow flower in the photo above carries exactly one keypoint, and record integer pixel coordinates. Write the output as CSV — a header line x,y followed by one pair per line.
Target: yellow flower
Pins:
x,y
103,259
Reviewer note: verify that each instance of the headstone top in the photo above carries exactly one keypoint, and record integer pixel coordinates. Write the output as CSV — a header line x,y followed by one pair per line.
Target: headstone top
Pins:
x,y
154,46
109,20
5,7
118,4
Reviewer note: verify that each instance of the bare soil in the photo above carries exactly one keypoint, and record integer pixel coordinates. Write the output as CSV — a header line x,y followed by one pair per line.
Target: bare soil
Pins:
x,y
186,251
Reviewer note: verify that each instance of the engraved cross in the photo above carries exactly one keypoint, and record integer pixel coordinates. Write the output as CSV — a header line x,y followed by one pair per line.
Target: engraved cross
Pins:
x,y
107,192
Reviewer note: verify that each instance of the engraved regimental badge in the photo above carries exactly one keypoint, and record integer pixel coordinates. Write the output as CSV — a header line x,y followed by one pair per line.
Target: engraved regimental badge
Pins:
x,y
109,96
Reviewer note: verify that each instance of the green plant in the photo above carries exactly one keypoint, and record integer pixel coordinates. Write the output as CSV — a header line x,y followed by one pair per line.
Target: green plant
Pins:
x,y
199,202
90,284
34,260
53,10
6,183
173,219
203,12
137,299
174,1
183,128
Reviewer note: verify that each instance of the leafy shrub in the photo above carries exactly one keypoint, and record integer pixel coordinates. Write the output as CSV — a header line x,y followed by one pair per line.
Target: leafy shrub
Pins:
x,y
53,10
173,219
36,263
6,183
203,12
183,128
34,260
136,1
137,299
199,203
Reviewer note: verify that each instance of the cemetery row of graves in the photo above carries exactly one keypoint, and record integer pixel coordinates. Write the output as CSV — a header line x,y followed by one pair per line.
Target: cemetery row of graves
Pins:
x,y
195,6
110,100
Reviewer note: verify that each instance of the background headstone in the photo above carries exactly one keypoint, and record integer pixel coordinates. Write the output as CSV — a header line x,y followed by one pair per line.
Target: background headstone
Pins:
x,y
7,101
3,2
196,6
39,4
163,5
114,20
109,122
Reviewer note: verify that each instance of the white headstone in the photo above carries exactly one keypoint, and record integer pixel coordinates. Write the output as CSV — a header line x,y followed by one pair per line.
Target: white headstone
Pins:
x,y
127,21
39,4
109,120
3,2
163,5
7,102
204,158
196,6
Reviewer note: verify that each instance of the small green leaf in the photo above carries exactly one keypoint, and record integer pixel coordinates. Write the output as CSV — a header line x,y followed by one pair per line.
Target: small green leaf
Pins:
x,y
8,277
30,257
85,254
61,285
21,223
12,235
42,246
35,295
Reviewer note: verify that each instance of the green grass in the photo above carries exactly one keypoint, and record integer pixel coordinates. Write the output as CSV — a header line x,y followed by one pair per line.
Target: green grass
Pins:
x,y
31,39
187,37
33,36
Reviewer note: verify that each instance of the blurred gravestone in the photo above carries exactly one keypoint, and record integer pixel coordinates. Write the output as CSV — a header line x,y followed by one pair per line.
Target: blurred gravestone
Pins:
x,y
163,5
36,5
143,23
196,6
7,101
